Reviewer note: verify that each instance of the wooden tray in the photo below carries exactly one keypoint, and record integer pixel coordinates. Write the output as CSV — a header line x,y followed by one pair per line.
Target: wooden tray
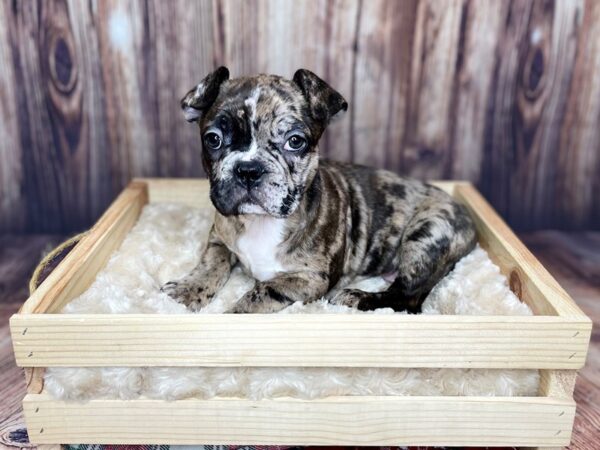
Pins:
x,y
555,341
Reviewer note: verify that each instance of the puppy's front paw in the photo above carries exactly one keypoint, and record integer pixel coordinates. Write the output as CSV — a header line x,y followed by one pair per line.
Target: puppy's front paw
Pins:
x,y
258,301
192,294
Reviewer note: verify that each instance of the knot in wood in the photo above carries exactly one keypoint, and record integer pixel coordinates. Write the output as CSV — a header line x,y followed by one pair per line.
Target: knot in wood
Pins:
x,y
63,72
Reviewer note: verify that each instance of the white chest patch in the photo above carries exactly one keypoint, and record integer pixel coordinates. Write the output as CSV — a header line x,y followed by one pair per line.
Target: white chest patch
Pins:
x,y
257,247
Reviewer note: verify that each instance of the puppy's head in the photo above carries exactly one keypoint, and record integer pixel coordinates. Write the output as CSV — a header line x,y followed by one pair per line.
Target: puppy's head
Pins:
x,y
259,137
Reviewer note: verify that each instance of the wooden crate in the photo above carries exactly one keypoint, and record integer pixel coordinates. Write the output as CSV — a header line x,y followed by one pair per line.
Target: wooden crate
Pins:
x,y
555,341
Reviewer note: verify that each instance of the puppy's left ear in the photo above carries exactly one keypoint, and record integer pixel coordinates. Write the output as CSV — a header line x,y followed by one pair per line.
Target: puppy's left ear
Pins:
x,y
203,95
324,101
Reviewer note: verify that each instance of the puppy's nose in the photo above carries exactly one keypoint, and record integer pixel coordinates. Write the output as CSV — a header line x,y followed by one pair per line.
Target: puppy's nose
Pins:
x,y
249,173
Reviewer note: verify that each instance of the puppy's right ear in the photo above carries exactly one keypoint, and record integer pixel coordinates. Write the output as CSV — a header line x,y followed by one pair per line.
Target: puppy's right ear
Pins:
x,y
202,96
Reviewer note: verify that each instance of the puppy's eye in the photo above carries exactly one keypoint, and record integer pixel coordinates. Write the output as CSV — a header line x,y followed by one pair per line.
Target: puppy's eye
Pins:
x,y
213,141
295,143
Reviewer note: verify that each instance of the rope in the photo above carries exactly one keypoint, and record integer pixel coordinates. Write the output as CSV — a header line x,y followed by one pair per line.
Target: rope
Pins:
x,y
35,281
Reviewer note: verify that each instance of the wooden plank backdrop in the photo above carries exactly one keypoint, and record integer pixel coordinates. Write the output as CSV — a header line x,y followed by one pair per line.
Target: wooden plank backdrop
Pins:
x,y
503,93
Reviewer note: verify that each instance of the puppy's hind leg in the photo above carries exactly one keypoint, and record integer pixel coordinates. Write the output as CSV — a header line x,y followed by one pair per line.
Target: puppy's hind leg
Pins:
x,y
434,240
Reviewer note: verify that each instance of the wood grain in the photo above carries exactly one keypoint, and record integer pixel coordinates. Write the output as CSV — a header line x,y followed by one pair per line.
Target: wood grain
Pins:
x,y
500,421
434,60
135,340
380,81
481,35
39,167
580,145
12,199
557,383
503,94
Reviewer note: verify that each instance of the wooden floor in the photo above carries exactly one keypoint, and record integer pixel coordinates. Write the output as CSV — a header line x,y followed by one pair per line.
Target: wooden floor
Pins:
x,y
574,259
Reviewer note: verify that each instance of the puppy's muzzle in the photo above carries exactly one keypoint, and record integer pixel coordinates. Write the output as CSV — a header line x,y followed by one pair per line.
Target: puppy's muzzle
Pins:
x,y
249,173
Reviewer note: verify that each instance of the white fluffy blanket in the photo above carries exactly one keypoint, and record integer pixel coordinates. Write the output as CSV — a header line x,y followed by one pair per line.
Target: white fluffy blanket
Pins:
x,y
165,244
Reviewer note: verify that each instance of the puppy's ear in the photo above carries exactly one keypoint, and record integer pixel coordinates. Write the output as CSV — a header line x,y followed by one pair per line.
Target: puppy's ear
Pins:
x,y
202,96
324,101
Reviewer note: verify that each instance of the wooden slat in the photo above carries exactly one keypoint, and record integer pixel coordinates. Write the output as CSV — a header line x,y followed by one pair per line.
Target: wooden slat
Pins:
x,y
340,19
434,59
557,383
447,186
579,144
527,277
13,203
299,340
481,35
455,421
79,268
379,100
41,172
177,34
59,108
188,191
128,72
541,98
194,192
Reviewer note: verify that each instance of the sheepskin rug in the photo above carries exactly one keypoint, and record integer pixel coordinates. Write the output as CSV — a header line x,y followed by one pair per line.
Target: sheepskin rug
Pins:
x,y
165,244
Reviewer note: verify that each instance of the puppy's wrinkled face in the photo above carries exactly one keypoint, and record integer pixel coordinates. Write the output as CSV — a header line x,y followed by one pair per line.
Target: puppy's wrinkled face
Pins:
x,y
258,147
259,138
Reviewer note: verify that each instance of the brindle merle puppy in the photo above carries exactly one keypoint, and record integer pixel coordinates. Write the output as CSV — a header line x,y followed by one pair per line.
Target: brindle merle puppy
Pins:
x,y
302,227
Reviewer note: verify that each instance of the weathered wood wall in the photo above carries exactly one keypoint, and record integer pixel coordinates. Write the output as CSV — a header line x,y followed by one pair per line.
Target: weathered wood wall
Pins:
x,y
503,93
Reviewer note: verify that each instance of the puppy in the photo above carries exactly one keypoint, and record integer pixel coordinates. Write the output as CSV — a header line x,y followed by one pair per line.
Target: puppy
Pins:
x,y
303,227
